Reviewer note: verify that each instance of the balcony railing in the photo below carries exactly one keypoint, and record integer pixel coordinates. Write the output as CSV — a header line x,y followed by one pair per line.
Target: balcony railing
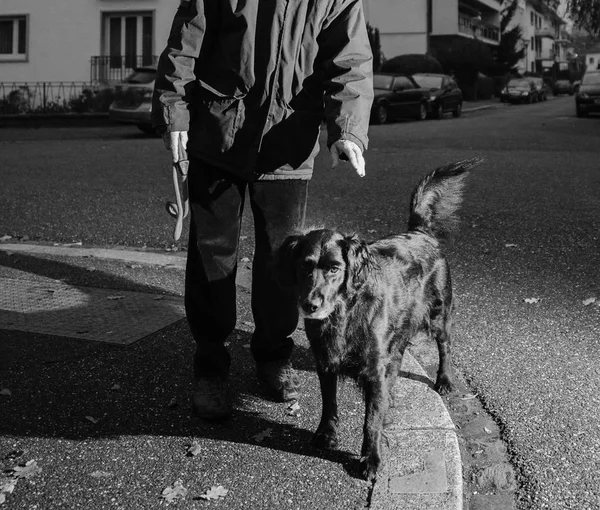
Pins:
x,y
477,30
53,97
115,68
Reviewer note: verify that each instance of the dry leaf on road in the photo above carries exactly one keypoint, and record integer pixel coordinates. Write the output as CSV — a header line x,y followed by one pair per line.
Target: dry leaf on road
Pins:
x,y
27,471
589,301
532,300
170,494
194,449
92,419
215,492
6,392
113,298
101,474
293,409
261,436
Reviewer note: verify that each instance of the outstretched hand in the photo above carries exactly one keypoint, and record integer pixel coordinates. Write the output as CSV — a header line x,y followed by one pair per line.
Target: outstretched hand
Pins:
x,y
348,151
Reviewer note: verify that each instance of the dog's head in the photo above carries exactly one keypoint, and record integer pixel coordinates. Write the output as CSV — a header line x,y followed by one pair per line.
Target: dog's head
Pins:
x,y
324,266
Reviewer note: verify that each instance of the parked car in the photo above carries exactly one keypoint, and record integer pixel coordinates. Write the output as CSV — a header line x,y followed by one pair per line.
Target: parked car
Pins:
x,y
397,96
133,99
587,99
519,90
445,94
542,88
563,87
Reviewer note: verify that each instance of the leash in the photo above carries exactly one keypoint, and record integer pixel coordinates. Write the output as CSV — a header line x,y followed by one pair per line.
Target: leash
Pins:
x,y
181,207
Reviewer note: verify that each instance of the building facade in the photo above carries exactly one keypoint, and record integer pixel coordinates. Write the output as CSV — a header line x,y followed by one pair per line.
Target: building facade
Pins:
x,y
410,26
82,40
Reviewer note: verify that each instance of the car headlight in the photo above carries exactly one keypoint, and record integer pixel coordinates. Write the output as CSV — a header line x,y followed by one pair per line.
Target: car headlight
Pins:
x,y
524,93
505,91
583,95
431,98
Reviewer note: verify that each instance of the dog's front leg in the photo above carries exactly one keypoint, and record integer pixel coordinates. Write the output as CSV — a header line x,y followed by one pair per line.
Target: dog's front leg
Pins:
x,y
326,435
376,407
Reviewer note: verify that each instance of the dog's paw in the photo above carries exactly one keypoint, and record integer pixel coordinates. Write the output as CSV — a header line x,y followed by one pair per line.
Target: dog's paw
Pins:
x,y
443,385
369,467
325,439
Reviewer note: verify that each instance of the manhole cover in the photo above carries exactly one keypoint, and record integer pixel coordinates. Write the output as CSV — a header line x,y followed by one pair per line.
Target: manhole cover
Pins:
x,y
52,308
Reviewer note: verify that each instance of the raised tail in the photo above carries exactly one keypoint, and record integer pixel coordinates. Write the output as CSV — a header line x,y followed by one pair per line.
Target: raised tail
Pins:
x,y
435,201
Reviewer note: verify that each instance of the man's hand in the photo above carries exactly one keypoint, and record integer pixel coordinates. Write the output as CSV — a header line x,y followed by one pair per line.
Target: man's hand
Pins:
x,y
176,142
348,150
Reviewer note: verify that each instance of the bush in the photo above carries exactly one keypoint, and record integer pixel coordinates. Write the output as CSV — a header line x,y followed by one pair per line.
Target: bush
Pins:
x,y
411,64
93,100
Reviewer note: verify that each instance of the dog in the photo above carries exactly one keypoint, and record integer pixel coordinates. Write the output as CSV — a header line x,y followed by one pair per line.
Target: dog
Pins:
x,y
363,303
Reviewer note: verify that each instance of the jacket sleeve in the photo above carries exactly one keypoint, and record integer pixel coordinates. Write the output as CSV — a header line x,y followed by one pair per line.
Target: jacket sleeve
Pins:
x,y
175,76
347,63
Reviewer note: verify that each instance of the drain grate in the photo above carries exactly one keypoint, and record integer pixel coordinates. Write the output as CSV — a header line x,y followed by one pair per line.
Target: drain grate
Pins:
x,y
51,308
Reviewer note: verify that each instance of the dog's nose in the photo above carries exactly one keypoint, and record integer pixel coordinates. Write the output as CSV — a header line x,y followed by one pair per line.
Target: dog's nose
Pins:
x,y
312,305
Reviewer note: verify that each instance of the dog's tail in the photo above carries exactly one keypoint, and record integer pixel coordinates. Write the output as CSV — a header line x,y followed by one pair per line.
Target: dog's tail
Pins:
x,y
435,201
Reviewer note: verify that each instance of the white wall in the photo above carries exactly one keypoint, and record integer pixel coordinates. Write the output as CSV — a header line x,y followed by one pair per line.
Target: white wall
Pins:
x,y
445,17
401,44
62,40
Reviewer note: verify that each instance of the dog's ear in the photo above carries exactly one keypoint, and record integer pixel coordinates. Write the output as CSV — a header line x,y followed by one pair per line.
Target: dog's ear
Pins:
x,y
359,260
284,261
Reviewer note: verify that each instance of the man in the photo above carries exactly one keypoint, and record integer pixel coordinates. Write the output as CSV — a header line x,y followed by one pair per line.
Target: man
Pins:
x,y
243,87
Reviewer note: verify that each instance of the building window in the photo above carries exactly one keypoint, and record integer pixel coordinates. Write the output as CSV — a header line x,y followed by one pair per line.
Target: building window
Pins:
x,y
532,16
128,39
13,38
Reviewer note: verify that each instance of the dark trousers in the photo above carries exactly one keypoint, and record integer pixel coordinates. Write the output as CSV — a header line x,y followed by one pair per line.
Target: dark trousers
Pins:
x,y
216,204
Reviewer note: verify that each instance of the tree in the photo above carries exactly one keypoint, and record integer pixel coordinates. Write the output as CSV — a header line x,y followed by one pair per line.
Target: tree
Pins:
x,y
507,54
375,41
584,13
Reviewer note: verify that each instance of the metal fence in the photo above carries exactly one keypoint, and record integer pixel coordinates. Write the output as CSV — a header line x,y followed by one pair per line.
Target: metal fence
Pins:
x,y
54,97
117,67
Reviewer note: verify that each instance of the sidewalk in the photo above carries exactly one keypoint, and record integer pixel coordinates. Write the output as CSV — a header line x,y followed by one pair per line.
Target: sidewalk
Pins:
x,y
108,421
482,104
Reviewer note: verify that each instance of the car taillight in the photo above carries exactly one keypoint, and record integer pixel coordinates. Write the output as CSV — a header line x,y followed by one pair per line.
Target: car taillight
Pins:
x,y
147,96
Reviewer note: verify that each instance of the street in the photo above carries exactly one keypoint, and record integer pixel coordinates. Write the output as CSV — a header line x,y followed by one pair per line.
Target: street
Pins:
x,y
524,261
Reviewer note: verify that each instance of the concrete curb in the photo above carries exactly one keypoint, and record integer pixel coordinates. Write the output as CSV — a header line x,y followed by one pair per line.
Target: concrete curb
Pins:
x,y
423,467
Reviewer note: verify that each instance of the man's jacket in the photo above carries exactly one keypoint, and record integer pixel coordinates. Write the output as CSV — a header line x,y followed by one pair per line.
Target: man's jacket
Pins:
x,y
253,80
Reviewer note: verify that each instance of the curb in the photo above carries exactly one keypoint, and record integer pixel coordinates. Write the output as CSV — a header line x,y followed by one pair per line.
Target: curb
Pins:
x,y
422,468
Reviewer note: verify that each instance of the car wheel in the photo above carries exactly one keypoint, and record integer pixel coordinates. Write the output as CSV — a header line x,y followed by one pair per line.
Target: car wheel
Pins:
x,y
439,111
422,111
380,114
458,110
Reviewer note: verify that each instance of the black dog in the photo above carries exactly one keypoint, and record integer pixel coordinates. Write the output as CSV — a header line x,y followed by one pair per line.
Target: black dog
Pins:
x,y
363,303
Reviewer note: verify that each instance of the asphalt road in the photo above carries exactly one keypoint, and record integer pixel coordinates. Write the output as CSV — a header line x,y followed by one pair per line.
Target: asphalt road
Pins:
x,y
531,227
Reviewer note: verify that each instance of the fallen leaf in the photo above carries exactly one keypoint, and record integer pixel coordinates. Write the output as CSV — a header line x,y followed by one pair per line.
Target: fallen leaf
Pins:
x,y
172,403
92,419
7,488
116,387
6,392
261,436
101,474
170,494
293,409
245,259
215,492
467,396
532,300
112,298
27,471
510,245
194,449
5,238
486,430
589,301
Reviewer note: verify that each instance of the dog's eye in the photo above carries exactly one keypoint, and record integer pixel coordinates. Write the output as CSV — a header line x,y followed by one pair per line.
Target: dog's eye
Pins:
x,y
334,269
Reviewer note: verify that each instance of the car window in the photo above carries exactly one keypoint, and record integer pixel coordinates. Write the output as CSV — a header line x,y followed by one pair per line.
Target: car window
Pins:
x,y
428,82
403,83
141,76
383,81
591,79
519,83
